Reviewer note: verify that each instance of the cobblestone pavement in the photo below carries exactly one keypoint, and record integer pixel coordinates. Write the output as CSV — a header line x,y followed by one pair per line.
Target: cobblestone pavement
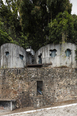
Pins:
x,y
68,110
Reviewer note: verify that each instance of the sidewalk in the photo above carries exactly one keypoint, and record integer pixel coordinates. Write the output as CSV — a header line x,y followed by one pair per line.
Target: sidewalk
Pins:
x,y
65,110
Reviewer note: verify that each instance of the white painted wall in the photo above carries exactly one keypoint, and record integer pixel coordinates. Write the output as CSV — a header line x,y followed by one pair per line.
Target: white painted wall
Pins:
x,y
60,59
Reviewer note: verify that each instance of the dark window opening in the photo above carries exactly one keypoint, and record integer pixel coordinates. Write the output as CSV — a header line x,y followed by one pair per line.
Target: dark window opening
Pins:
x,y
68,52
40,59
32,60
7,53
21,56
53,53
5,105
39,87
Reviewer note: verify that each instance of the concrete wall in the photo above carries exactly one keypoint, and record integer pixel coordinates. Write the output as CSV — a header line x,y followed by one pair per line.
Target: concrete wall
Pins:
x,y
60,59
12,56
30,59
30,56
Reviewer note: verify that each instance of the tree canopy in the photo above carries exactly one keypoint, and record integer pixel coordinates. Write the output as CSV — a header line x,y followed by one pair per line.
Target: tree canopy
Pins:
x,y
63,24
36,23
35,16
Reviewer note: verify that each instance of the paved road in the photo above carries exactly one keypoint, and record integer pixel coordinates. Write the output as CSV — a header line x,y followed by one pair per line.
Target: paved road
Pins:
x,y
68,110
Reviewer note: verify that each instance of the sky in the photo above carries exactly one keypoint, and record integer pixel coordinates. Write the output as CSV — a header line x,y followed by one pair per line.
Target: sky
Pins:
x,y
74,6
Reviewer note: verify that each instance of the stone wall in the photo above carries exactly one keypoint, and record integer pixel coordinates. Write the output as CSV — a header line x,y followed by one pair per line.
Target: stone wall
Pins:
x,y
59,84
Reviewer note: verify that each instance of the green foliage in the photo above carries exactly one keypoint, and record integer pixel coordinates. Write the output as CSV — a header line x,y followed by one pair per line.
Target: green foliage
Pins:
x,y
10,29
74,40
76,54
3,34
39,22
35,16
62,24
57,6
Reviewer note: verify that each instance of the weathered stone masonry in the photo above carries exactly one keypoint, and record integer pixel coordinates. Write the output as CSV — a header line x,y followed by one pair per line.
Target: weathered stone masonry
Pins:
x,y
59,84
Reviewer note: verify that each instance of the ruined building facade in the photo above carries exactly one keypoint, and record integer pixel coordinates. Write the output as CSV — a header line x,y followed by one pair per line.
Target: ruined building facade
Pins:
x,y
53,79
14,56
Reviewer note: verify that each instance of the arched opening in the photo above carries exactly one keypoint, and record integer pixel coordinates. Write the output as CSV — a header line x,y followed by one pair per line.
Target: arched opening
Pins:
x,y
68,52
40,58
